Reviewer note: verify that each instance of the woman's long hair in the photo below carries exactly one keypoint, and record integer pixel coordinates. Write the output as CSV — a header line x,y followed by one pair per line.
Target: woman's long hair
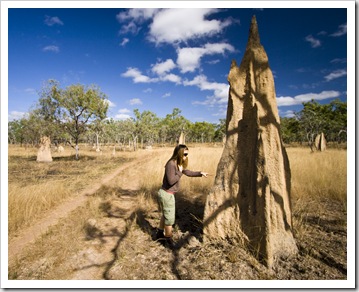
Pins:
x,y
178,155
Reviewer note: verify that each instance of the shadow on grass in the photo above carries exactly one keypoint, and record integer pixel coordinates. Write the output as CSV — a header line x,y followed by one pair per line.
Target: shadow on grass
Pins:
x,y
19,158
188,213
73,158
68,158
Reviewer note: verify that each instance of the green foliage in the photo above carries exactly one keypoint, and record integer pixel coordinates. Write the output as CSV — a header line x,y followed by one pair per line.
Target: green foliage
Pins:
x,y
316,118
173,124
72,108
16,132
290,130
203,132
79,112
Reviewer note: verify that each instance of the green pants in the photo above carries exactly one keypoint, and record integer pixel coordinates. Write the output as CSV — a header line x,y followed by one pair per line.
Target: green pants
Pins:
x,y
167,205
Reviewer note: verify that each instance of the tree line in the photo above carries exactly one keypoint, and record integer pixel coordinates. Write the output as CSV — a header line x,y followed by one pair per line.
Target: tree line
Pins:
x,y
315,118
78,114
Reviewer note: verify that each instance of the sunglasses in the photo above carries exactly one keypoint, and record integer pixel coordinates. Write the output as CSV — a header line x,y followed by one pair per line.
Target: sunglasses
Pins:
x,y
185,154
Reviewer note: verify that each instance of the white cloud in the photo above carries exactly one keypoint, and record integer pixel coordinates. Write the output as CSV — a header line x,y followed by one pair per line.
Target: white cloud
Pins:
x,y
137,76
135,101
50,21
15,115
110,103
54,49
123,114
180,25
336,74
213,62
221,113
30,90
148,90
163,67
122,117
189,58
124,42
315,43
134,18
220,90
287,114
339,60
292,86
171,78
129,28
136,14
299,99
168,94
124,111
342,30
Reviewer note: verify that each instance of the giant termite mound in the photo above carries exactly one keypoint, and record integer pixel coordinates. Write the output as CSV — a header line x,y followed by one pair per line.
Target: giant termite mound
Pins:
x,y
250,199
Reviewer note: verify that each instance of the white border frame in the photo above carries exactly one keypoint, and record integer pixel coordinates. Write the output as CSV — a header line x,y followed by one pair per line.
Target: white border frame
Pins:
x,y
351,33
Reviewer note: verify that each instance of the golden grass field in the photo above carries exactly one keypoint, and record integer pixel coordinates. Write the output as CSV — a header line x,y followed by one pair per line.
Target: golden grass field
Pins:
x,y
319,190
34,188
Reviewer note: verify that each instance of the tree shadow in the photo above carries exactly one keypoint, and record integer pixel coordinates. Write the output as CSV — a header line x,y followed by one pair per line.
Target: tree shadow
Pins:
x,y
73,158
95,233
189,213
19,158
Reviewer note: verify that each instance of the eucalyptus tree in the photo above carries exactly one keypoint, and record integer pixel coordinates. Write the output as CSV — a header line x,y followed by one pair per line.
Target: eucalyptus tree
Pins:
x,y
203,131
97,128
163,130
310,121
220,131
72,108
16,131
117,131
315,118
290,130
145,127
175,124
337,121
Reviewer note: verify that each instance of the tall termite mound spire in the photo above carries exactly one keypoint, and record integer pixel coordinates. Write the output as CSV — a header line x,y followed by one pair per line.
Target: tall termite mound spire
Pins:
x,y
182,138
250,199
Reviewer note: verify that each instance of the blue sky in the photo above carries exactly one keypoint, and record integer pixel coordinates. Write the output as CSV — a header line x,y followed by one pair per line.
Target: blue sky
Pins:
x,y
159,59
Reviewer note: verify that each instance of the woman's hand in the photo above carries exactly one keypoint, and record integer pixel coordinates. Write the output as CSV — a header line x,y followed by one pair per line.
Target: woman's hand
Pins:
x,y
204,174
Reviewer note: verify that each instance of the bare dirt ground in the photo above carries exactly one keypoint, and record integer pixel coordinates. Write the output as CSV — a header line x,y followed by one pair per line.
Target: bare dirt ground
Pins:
x,y
118,242
30,234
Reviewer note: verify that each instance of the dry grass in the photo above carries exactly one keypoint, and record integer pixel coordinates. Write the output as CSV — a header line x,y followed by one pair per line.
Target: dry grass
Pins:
x,y
319,175
88,231
50,257
319,186
34,188
314,175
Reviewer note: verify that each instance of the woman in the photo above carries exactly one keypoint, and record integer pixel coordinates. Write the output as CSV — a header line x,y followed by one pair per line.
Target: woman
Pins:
x,y
175,167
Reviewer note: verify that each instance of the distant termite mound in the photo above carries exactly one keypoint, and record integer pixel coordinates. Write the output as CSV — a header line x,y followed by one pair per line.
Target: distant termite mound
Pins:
x,y
250,199
320,142
44,152
182,139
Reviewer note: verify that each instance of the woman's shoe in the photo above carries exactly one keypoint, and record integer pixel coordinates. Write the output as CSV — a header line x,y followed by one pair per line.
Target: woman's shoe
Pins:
x,y
159,234
170,243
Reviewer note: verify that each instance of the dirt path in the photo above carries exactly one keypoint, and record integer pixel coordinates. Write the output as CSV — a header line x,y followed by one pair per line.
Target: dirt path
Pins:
x,y
99,253
30,234
118,243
